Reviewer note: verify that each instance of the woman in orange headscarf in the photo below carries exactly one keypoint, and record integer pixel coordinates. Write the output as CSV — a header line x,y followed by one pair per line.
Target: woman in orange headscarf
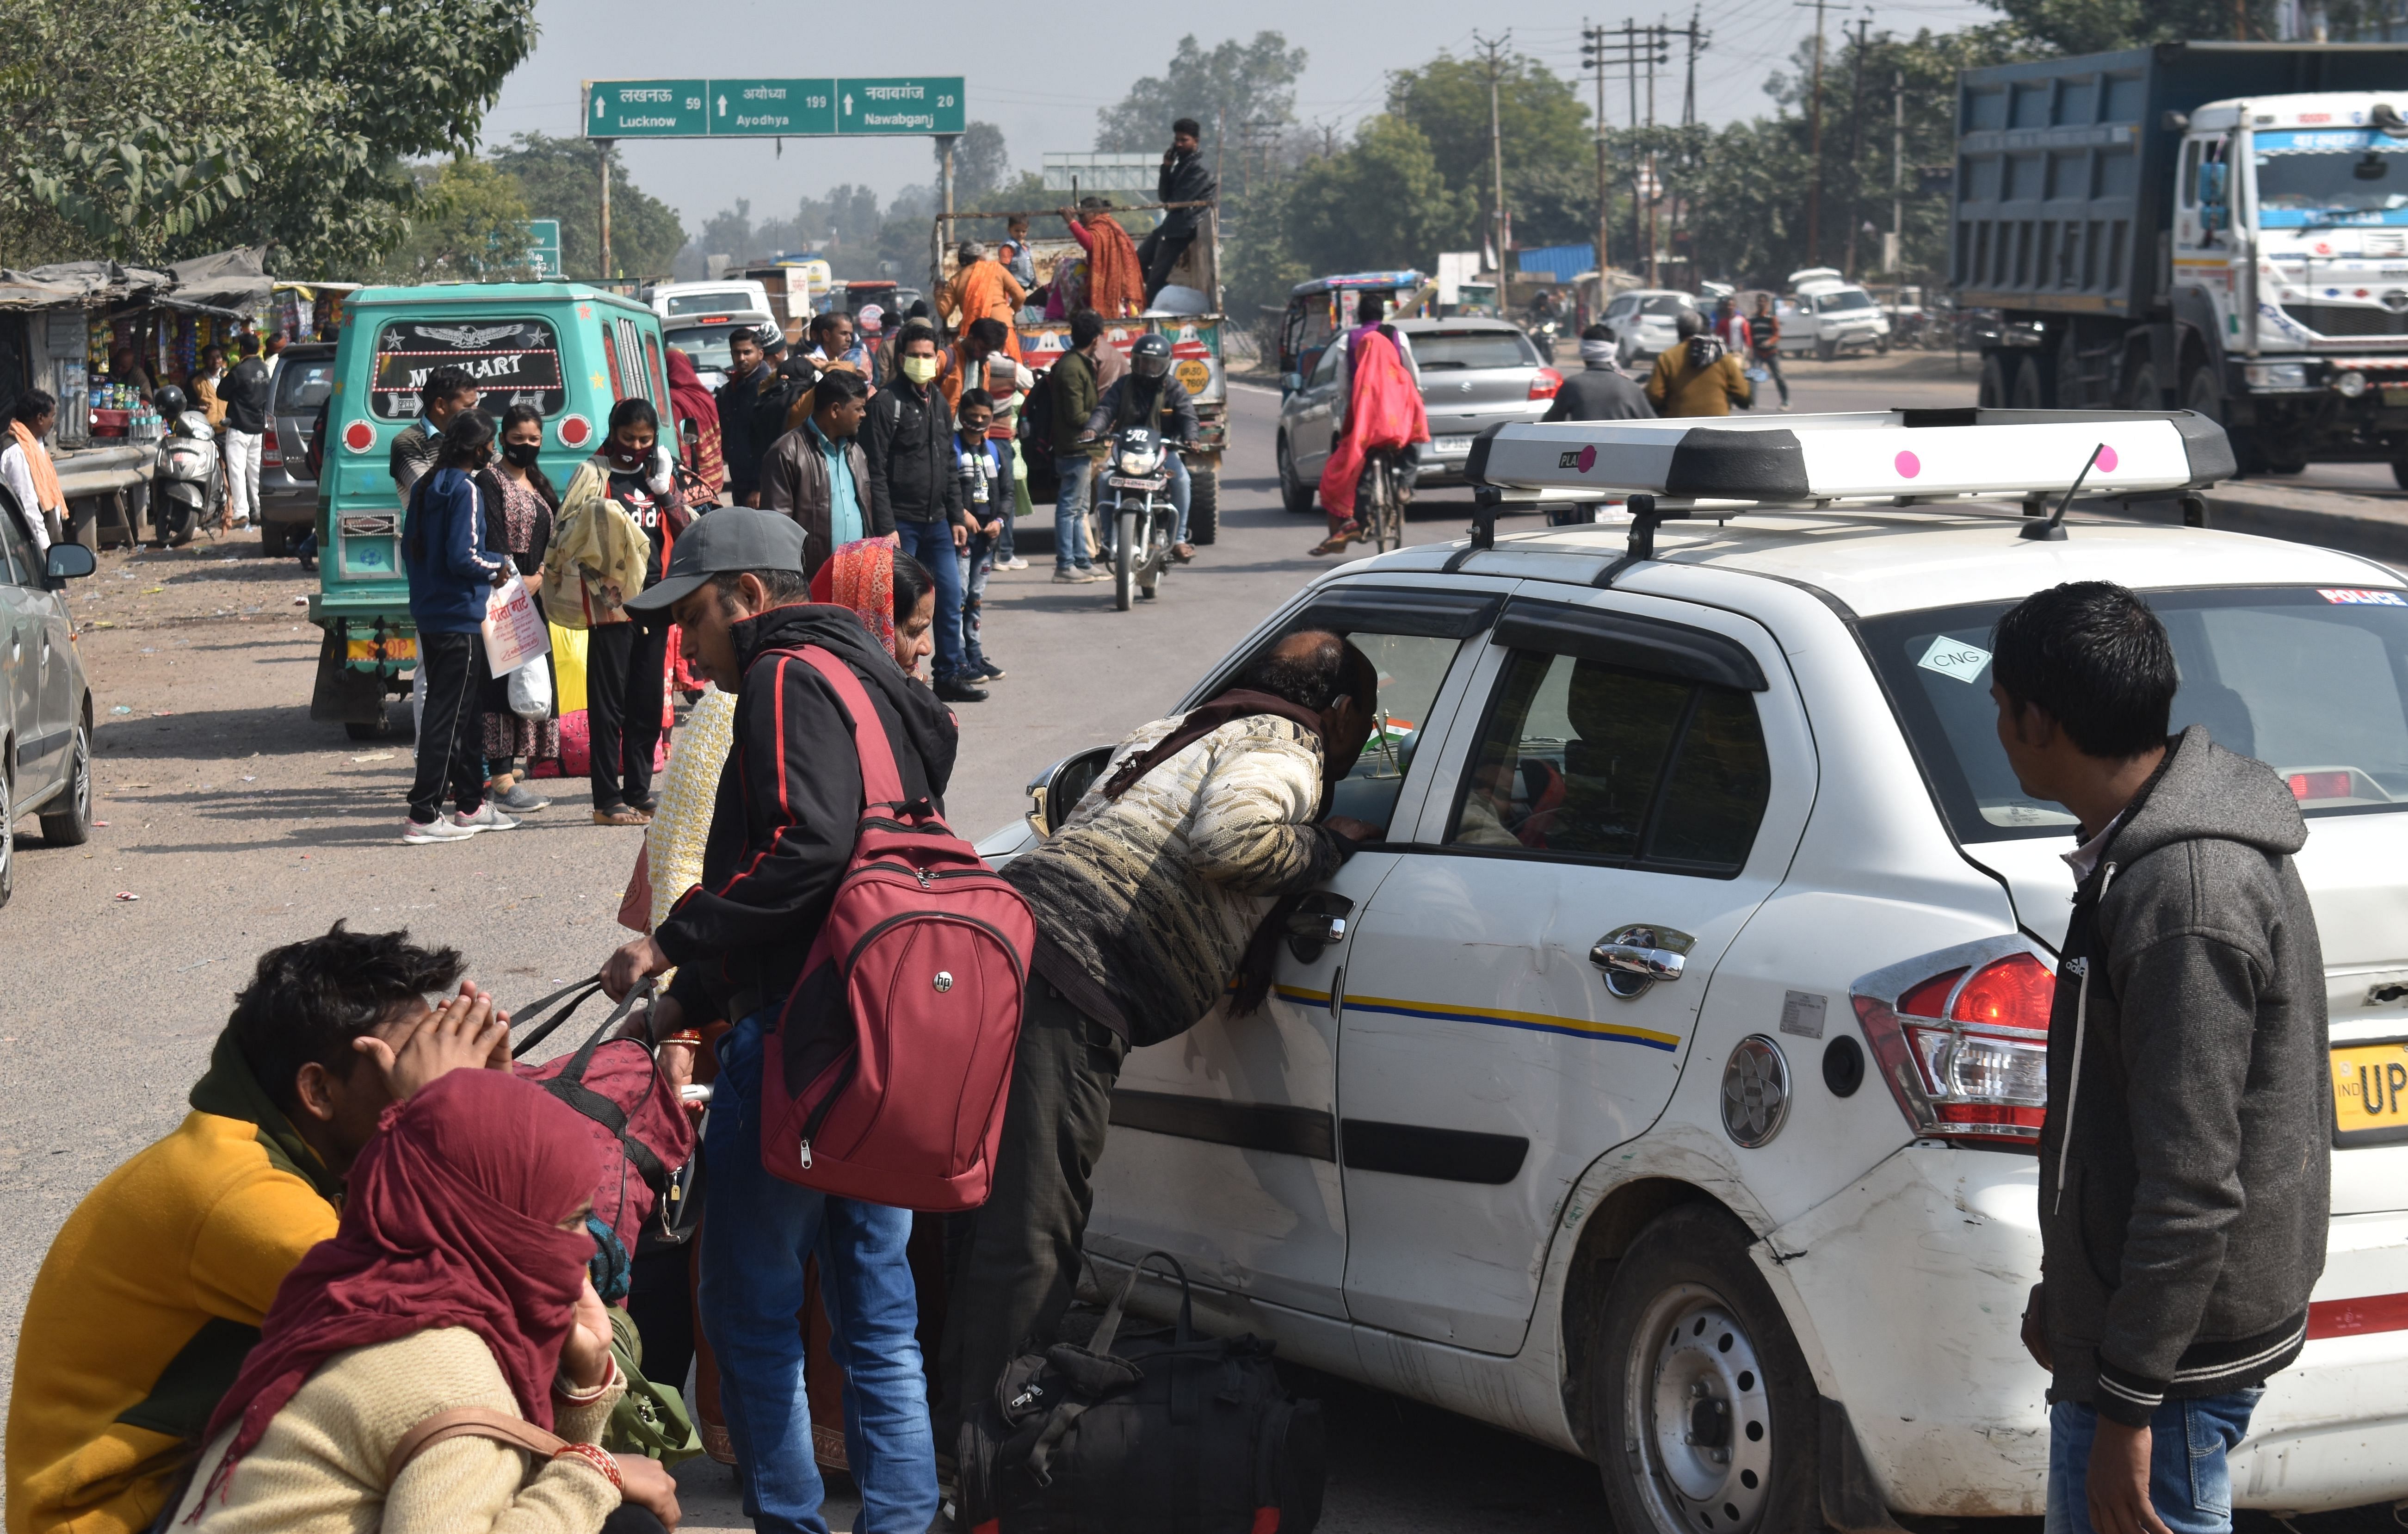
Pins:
x,y
983,290
1115,277
1383,413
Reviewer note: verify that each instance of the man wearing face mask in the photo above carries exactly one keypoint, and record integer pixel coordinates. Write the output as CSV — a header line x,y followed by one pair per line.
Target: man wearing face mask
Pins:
x,y
913,474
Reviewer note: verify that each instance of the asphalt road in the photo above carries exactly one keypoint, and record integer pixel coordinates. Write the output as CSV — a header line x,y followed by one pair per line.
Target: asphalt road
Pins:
x,y
233,825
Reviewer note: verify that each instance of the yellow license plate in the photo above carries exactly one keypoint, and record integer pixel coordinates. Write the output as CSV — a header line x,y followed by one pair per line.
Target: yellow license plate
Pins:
x,y
2395,393
2370,1093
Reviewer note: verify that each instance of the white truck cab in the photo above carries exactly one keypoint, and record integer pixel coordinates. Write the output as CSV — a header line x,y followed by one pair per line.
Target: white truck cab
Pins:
x,y
1664,1086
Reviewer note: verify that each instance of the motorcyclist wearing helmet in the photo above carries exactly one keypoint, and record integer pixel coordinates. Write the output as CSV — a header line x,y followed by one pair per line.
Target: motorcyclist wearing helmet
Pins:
x,y
1149,395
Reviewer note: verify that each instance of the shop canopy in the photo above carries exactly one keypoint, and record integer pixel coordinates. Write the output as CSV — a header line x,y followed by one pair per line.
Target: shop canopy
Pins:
x,y
231,283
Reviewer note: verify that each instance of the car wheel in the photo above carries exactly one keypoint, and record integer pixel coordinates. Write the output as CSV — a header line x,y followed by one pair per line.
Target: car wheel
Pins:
x,y
1997,377
1203,507
7,838
383,728
69,825
1705,1411
2400,472
1825,348
1294,493
1881,346
2027,392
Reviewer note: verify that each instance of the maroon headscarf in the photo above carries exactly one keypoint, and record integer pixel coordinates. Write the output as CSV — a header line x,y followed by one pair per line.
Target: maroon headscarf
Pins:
x,y
451,1220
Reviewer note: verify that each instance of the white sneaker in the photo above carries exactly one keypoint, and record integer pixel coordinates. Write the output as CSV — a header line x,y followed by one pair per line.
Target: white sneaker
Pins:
x,y
441,828
1015,563
487,818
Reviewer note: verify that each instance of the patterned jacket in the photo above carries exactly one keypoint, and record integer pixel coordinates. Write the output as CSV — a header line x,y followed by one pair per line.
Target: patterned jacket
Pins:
x,y
1145,904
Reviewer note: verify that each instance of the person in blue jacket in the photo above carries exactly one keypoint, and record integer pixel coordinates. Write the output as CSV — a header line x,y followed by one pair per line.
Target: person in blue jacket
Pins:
x,y
452,573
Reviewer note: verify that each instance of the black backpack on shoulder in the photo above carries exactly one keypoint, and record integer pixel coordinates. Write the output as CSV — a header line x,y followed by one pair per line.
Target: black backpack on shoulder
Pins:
x,y
1160,1430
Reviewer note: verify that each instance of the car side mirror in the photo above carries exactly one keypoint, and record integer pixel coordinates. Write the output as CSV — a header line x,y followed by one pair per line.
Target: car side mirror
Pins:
x,y
1291,383
1054,793
66,562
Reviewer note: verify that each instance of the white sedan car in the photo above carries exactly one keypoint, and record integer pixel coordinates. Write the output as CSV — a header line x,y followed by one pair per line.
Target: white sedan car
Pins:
x,y
1664,1087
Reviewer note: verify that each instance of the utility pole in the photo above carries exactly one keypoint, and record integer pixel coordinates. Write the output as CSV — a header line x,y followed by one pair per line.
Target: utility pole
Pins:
x,y
1593,54
1895,257
1497,148
1689,120
1856,139
602,150
1638,195
1814,190
1655,184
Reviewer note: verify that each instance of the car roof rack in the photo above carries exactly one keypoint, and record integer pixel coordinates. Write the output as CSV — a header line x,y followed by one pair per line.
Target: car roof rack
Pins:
x,y
1671,470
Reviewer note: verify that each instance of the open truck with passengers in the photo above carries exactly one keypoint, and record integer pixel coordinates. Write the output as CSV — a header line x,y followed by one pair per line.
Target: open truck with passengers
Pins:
x,y
2217,226
569,351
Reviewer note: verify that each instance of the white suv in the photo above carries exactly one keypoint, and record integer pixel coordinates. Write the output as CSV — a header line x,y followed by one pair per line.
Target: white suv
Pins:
x,y
1664,1087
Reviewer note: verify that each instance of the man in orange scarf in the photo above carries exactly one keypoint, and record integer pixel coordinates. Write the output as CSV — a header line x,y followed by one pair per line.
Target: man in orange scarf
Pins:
x,y
1383,413
983,290
1115,277
26,470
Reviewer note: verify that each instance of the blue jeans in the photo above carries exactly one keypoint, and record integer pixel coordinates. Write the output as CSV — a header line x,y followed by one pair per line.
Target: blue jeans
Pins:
x,y
978,561
757,1232
2190,1484
1108,527
1069,513
932,544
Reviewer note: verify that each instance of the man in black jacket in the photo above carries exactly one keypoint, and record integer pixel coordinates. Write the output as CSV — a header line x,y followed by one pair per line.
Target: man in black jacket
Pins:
x,y
751,415
916,477
244,390
447,392
2184,1160
1186,177
780,836
1600,391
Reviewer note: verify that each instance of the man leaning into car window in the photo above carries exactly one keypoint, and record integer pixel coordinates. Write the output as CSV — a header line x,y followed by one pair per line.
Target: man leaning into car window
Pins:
x,y
2185,1171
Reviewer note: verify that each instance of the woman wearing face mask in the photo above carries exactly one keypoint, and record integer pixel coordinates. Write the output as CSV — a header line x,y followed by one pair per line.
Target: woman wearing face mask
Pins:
x,y
520,504
630,486
445,550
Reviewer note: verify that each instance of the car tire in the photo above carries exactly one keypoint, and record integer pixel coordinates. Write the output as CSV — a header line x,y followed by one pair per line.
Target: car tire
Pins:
x,y
1825,349
1698,1389
1997,380
1203,507
1294,493
2400,472
1881,346
2028,391
7,837
384,727
275,539
69,825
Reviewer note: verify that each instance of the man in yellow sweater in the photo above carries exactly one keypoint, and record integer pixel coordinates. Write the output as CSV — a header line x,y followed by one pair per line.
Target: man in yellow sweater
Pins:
x,y
151,1295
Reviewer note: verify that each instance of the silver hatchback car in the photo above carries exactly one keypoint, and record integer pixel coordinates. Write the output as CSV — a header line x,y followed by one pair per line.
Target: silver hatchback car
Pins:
x,y
45,704
1473,374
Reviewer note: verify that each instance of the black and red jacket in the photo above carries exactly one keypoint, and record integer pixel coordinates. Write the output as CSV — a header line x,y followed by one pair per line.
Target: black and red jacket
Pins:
x,y
789,803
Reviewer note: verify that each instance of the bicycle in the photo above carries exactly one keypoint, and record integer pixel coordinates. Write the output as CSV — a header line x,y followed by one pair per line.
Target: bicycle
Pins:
x,y
1386,493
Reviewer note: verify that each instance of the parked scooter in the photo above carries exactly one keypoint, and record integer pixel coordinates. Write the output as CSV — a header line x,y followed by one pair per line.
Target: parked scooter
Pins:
x,y
187,481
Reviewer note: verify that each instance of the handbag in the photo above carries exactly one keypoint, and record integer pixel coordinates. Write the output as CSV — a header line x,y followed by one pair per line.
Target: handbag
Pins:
x,y
531,690
636,1114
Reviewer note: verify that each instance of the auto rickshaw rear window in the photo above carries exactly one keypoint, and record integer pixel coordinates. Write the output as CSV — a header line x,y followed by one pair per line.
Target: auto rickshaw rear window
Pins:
x,y
513,362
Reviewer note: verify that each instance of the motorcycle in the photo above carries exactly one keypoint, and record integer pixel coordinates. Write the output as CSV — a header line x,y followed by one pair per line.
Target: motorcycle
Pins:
x,y
187,486
1136,473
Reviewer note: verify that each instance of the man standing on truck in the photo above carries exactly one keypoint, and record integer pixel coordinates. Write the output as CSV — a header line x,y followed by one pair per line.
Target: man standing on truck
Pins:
x,y
1186,177
2184,1164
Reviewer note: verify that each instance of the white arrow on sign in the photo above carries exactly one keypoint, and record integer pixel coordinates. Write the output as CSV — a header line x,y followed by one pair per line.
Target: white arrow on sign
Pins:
x,y
723,105
848,104
597,104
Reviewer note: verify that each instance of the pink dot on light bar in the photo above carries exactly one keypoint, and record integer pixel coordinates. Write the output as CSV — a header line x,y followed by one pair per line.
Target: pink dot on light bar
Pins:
x,y
2106,459
1909,466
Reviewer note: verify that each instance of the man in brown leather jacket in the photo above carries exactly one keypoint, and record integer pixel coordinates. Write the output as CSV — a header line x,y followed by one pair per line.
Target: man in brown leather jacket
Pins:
x,y
816,473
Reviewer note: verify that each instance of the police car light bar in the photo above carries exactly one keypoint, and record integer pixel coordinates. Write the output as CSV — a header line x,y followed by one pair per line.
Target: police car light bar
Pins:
x,y
1733,462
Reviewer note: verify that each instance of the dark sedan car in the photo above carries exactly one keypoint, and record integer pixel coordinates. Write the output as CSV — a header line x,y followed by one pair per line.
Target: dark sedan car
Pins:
x,y
288,489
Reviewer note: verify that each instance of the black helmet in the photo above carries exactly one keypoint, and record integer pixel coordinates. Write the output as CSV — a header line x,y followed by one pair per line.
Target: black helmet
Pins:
x,y
1149,358
168,401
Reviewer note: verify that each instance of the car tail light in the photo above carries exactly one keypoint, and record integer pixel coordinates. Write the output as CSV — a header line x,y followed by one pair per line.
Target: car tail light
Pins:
x,y
2320,785
271,455
1962,1038
1545,382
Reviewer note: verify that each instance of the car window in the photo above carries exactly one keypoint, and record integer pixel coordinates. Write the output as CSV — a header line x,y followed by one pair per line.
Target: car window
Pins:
x,y
707,347
2312,681
718,301
1582,758
1411,667
1620,307
302,384
1457,349
1327,368
513,362
1847,298
18,565
1667,305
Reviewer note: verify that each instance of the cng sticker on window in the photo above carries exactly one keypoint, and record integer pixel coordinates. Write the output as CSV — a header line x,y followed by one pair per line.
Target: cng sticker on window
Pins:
x,y
1954,658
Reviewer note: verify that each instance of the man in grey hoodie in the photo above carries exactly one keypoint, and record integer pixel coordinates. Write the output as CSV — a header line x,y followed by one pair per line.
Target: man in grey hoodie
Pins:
x,y
2184,1160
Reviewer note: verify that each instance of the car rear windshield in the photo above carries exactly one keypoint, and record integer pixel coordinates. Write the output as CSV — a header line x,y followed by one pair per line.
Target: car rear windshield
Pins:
x,y
511,362
1667,305
1460,349
1846,298
302,384
2314,682
706,346
725,301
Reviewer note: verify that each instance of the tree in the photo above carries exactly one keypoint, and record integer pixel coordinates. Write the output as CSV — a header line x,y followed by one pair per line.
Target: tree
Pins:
x,y
562,178
980,164
2094,26
1235,83
471,226
1381,202
1545,134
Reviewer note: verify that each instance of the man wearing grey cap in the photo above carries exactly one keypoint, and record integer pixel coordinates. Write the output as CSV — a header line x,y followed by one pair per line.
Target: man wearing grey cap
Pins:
x,y
780,836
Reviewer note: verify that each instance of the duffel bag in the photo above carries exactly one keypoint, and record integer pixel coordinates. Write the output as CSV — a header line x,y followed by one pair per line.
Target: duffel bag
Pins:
x,y
645,1135
1164,1431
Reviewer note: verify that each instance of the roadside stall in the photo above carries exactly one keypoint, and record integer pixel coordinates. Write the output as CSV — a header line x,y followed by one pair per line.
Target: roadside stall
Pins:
x,y
59,327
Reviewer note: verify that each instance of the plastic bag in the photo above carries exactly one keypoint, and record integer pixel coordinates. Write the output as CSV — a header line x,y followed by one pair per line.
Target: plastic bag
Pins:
x,y
531,690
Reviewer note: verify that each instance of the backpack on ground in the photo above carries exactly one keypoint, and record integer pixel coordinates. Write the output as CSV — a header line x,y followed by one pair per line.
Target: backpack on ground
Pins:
x,y
1160,1430
886,1077
647,1186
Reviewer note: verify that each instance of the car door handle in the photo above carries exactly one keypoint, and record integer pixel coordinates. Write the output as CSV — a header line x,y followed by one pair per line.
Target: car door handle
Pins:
x,y
1317,924
1636,957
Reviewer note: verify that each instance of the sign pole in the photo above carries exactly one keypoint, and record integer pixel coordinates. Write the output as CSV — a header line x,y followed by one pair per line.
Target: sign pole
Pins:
x,y
604,146
945,143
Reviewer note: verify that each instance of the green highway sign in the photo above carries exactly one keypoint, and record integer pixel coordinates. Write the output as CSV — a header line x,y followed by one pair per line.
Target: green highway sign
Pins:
x,y
543,246
645,108
899,106
772,109
775,108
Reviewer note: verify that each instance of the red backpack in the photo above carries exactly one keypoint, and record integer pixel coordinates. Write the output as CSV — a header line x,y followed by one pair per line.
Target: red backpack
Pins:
x,y
886,1076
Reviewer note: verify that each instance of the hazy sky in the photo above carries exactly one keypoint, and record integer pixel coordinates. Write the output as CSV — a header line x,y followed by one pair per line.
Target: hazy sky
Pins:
x,y
1043,93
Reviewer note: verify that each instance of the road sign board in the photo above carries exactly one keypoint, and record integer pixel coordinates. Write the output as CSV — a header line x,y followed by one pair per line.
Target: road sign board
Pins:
x,y
900,105
543,246
772,109
645,108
